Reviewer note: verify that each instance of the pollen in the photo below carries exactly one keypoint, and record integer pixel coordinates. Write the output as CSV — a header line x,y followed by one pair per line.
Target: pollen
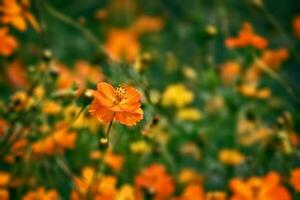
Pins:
x,y
120,94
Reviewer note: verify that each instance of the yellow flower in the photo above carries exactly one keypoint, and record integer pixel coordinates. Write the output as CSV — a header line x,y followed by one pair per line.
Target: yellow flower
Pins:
x,y
51,107
216,195
154,96
231,157
189,114
126,192
190,149
189,176
84,120
39,92
264,93
177,95
140,147
21,101
214,104
189,73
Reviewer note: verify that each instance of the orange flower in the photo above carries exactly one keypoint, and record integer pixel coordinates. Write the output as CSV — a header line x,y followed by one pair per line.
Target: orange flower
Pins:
x,y
4,194
295,179
296,26
122,44
3,126
121,104
8,43
102,187
16,13
230,72
259,188
156,181
274,58
83,74
193,192
41,194
56,142
4,178
115,161
247,37
147,24
16,74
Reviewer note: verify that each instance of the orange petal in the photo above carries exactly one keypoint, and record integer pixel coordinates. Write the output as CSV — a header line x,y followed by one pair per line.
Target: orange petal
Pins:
x,y
19,23
102,113
129,118
105,94
132,102
33,22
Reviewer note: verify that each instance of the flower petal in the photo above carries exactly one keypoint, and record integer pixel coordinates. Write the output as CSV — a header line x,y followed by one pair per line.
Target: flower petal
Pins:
x,y
102,113
129,118
105,94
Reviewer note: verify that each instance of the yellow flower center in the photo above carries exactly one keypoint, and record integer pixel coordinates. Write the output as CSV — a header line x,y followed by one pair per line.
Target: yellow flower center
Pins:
x,y
120,94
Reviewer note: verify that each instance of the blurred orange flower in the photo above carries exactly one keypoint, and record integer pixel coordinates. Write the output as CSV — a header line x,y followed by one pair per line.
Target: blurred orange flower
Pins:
x,y
259,188
41,194
4,194
156,181
4,178
115,161
122,44
193,192
16,13
16,74
121,104
274,58
103,188
56,142
147,24
247,37
295,179
8,43
3,126
83,74
296,26
189,176
230,71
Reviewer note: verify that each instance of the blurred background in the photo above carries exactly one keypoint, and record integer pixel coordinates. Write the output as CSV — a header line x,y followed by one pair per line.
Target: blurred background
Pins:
x,y
219,84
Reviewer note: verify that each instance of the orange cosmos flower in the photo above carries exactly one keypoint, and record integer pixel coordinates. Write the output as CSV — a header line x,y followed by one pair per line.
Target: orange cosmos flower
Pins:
x,y
230,71
16,13
121,104
16,74
247,37
4,194
102,187
113,160
41,194
259,188
193,192
156,181
8,43
58,141
122,44
295,179
147,24
296,26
